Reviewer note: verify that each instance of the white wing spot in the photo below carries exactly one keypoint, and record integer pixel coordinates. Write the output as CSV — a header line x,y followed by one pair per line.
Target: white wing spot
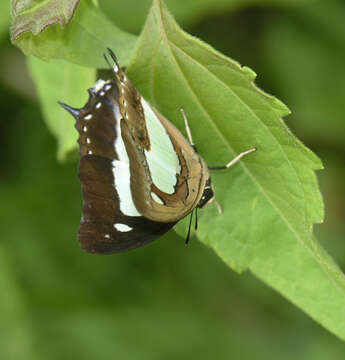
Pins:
x,y
102,93
156,198
108,87
85,129
88,140
107,236
122,227
88,117
89,152
98,105
98,85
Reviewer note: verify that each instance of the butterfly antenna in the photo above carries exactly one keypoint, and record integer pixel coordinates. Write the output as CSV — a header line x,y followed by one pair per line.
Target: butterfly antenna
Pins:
x,y
115,66
107,60
189,227
196,219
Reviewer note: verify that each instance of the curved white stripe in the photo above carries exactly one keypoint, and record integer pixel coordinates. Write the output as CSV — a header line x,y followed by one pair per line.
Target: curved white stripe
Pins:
x,y
157,198
122,227
121,171
161,158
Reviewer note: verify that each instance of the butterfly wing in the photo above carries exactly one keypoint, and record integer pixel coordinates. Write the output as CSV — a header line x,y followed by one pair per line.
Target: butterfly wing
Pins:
x,y
104,228
167,175
139,175
109,223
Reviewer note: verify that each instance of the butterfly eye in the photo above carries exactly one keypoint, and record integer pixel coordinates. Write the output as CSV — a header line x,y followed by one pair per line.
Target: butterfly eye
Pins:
x,y
207,197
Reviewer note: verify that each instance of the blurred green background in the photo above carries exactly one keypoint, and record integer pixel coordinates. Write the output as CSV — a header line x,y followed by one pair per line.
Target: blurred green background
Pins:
x,y
163,301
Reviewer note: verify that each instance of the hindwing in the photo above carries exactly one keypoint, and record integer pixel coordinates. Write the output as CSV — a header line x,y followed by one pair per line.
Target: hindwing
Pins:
x,y
167,175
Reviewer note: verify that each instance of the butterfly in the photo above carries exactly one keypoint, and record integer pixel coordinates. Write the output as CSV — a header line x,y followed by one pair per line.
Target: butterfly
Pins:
x,y
139,175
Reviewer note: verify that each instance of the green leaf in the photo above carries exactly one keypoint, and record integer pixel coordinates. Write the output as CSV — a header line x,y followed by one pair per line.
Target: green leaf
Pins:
x,y
83,40
35,16
59,80
271,198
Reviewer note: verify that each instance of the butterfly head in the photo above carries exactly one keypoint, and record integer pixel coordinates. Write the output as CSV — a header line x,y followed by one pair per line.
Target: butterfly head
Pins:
x,y
207,195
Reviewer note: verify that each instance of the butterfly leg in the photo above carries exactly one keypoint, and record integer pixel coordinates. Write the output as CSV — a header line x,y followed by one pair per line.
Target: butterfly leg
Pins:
x,y
229,164
189,134
233,161
189,227
219,207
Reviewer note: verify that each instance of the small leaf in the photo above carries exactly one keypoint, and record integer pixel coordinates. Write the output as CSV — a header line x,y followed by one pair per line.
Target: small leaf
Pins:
x,y
35,16
271,199
83,40
58,80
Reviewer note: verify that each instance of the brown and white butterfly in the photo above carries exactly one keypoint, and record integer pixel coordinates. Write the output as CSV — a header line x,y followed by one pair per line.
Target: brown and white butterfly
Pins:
x,y
139,175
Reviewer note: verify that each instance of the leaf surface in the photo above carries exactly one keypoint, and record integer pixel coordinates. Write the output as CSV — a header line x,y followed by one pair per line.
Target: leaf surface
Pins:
x,y
86,35
35,16
271,199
